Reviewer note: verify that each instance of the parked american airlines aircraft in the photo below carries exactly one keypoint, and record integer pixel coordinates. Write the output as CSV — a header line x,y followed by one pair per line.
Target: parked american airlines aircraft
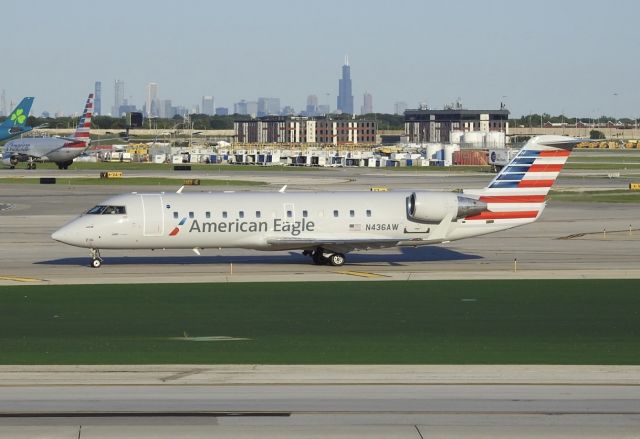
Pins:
x,y
324,226
60,150
16,123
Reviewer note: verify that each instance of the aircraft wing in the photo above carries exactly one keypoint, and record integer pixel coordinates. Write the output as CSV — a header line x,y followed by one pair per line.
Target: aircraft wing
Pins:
x,y
336,245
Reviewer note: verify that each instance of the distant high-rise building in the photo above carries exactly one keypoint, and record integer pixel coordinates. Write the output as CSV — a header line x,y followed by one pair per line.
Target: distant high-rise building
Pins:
x,y
118,97
323,109
208,106
151,104
240,107
399,107
3,103
246,108
345,97
97,99
367,103
312,105
222,111
165,110
268,106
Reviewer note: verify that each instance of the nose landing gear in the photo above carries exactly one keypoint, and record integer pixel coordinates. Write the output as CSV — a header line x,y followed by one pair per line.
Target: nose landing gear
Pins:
x,y
96,260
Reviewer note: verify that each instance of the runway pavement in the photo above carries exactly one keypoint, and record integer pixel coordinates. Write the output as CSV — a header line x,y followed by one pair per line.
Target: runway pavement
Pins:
x,y
313,401
230,401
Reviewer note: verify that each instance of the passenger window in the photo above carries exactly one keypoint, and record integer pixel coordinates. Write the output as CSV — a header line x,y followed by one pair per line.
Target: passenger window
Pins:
x,y
175,215
305,214
258,214
289,214
224,214
352,213
368,212
207,214
335,213
241,214
190,214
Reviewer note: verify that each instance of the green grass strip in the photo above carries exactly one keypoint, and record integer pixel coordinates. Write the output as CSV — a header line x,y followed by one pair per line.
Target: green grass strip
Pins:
x,y
612,196
436,322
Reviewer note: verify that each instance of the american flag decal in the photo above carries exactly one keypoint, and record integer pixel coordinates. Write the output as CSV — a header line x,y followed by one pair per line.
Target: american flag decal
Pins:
x,y
355,227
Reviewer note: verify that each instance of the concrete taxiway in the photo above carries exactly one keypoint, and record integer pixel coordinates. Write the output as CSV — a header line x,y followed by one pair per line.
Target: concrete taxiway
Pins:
x,y
316,401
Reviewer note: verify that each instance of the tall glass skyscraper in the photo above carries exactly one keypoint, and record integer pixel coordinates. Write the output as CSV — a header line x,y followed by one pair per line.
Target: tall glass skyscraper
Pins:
x,y
97,99
118,98
345,97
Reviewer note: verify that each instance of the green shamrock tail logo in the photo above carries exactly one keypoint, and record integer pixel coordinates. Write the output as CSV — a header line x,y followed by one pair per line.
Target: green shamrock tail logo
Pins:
x,y
18,117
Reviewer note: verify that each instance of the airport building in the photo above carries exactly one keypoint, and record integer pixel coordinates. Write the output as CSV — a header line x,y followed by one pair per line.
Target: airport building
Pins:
x,y
297,129
424,125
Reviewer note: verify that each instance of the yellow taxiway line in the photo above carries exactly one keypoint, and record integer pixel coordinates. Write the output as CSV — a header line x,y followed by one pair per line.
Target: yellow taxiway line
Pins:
x,y
20,279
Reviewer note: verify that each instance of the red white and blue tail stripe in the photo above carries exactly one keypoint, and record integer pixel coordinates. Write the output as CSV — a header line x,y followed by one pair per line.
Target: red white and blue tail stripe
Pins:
x,y
519,191
84,124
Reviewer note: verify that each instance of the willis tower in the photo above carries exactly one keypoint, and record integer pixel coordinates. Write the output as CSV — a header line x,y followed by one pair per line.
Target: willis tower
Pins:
x,y
345,98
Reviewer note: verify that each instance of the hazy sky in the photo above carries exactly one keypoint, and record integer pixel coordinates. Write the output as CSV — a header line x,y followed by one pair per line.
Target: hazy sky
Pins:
x,y
576,57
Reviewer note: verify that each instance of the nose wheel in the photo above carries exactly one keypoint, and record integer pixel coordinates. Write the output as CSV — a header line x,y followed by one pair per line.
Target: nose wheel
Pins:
x,y
96,260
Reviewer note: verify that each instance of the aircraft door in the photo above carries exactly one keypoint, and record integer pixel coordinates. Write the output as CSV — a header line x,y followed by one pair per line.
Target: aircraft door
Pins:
x,y
153,215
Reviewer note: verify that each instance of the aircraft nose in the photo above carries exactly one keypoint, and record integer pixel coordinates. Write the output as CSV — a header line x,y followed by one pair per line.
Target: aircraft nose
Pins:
x,y
67,235
60,235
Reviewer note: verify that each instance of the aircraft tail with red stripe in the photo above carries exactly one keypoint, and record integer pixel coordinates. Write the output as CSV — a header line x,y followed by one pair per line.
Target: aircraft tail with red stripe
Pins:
x,y
82,133
518,193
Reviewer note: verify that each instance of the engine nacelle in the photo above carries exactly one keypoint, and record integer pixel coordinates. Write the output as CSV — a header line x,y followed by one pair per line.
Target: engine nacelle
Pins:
x,y
9,160
433,207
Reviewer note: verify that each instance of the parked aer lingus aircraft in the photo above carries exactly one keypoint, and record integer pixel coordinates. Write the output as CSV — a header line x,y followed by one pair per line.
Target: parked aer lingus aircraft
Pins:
x,y
61,150
16,123
324,225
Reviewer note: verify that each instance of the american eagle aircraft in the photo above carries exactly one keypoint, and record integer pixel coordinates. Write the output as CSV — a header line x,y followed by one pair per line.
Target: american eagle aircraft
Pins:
x,y
324,225
60,150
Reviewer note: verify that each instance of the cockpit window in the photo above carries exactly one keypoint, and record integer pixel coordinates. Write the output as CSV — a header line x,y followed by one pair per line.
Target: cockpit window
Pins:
x,y
107,210
114,210
96,210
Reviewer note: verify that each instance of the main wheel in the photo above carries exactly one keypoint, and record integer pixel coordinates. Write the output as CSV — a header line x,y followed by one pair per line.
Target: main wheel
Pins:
x,y
337,259
96,263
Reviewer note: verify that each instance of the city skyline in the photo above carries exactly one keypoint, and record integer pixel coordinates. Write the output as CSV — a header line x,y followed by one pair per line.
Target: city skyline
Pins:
x,y
537,58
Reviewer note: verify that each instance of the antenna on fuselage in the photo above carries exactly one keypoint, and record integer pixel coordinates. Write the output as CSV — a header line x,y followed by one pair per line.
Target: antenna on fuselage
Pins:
x,y
179,191
282,189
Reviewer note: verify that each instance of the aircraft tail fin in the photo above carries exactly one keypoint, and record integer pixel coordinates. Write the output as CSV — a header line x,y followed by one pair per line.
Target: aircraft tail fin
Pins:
x,y
520,189
84,124
19,116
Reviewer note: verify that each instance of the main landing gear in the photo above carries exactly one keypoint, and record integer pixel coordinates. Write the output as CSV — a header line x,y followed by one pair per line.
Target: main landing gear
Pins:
x,y
96,260
322,257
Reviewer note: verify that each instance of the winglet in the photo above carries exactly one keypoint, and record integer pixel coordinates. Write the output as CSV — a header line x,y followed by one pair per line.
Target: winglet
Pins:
x,y
179,191
282,189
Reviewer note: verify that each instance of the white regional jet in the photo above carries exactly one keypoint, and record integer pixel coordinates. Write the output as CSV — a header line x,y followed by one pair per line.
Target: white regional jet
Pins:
x,y
324,225
61,150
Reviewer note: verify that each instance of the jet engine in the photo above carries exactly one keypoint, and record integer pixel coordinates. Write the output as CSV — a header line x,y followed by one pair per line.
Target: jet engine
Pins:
x,y
433,207
9,160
